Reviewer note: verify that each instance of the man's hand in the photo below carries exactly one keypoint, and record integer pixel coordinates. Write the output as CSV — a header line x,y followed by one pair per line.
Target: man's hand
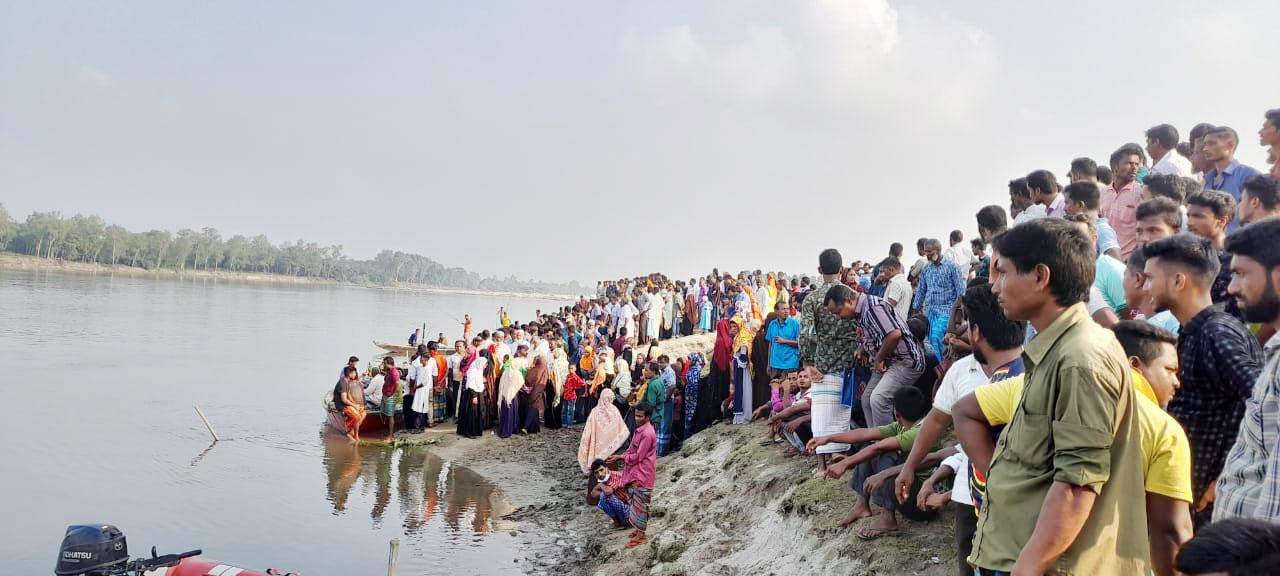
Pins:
x,y
875,481
813,444
794,425
612,459
812,374
1208,498
902,484
838,469
607,489
935,501
922,498
882,366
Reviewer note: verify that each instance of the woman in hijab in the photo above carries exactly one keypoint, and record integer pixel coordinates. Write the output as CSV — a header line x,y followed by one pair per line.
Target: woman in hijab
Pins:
x,y
692,392
760,392
743,337
586,369
604,433
622,377
535,394
715,389
508,389
471,406
691,318
559,371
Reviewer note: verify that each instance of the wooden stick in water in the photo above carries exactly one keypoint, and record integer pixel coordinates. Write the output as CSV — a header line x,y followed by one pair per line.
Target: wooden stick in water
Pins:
x,y
206,424
393,557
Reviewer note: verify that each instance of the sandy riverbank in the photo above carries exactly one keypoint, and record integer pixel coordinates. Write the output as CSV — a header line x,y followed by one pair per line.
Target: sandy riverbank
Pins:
x,y
11,261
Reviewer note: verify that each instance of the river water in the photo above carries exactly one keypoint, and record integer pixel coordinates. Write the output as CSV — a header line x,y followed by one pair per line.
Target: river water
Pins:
x,y
102,373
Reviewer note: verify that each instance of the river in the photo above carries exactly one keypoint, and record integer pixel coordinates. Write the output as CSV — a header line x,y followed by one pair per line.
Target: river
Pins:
x,y
99,426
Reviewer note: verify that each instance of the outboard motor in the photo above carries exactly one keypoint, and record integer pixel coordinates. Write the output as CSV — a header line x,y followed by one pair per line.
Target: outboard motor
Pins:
x,y
92,550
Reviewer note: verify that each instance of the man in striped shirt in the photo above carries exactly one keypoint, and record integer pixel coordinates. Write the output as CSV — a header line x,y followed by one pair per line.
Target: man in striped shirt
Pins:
x,y
898,359
941,284
1250,483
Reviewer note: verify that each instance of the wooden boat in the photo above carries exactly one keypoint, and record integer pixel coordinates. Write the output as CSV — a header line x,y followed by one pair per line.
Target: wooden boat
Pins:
x,y
395,348
408,350
374,422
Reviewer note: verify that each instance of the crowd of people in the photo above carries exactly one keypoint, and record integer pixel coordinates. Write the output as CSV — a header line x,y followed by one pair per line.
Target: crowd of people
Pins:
x,y
1093,381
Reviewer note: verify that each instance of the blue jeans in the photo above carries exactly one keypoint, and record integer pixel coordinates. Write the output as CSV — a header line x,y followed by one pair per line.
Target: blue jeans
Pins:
x,y
937,329
985,572
566,411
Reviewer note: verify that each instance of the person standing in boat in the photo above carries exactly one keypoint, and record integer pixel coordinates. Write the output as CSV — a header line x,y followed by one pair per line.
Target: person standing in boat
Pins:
x,y
390,385
352,362
415,337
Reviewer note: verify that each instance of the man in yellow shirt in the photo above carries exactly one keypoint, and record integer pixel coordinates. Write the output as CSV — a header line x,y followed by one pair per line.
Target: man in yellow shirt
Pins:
x,y
1153,354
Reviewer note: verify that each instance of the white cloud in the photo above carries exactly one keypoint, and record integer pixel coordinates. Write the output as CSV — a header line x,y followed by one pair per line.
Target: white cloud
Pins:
x,y
859,58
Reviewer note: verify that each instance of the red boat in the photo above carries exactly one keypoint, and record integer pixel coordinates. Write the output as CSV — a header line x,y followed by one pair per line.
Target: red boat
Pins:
x,y
198,566
374,421
101,550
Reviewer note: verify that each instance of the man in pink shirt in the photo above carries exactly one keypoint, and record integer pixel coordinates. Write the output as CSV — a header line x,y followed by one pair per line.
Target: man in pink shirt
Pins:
x,y
1119,202
641,462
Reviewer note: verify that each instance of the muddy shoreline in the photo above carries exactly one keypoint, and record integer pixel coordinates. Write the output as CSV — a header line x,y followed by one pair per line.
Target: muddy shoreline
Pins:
x,y
723,505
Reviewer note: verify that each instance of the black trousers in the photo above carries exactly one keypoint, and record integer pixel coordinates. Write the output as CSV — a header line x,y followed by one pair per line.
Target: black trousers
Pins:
x,y
966,526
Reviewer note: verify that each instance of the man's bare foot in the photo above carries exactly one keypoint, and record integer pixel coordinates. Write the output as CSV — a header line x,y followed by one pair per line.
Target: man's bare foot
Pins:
x,y
886,524
858,512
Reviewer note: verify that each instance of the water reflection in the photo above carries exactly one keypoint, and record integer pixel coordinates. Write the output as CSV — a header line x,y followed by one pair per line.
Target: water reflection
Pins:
x,y
423,488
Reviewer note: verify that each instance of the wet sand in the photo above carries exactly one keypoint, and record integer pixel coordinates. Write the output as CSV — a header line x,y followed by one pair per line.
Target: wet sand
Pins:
x,y
723,505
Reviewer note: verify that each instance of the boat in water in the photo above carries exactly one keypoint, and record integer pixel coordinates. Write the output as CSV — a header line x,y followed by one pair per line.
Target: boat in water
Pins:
x,y
408,350
101,550
373,423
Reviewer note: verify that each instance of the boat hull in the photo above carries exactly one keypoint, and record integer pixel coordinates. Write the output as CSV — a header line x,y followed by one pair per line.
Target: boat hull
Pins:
x,y
198,566
373,423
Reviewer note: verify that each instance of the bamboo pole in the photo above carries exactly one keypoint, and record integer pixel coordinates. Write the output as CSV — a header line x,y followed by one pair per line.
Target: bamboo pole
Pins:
x,y
393,557
206,423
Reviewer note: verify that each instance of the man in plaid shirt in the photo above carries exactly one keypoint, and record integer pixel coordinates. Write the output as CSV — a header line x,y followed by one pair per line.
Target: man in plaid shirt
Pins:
x,y
1219,359
1250,483
941,284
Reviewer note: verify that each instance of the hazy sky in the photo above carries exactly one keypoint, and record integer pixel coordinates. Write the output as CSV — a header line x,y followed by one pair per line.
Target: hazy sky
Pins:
x,y
580,140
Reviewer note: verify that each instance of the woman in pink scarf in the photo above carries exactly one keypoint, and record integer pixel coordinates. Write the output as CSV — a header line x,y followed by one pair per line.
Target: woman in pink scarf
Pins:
x,y
604,433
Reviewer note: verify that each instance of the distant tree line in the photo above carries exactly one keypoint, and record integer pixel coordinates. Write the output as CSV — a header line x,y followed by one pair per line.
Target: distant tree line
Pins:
x,y
88,239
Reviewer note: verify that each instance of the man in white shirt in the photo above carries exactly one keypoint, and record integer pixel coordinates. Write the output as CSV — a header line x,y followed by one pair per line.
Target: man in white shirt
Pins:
x,y
960,253
997,354
373,390
1020,203
897,290
1162,145
1045,192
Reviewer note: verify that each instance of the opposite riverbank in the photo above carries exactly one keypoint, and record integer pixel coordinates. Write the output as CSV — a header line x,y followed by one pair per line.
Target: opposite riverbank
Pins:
x,y
23,262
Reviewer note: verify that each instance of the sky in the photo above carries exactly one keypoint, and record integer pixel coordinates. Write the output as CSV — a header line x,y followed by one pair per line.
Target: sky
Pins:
x,y
586,140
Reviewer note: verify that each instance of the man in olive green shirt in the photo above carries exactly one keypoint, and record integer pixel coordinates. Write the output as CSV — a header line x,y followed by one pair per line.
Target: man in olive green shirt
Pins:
x,y
1065,484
